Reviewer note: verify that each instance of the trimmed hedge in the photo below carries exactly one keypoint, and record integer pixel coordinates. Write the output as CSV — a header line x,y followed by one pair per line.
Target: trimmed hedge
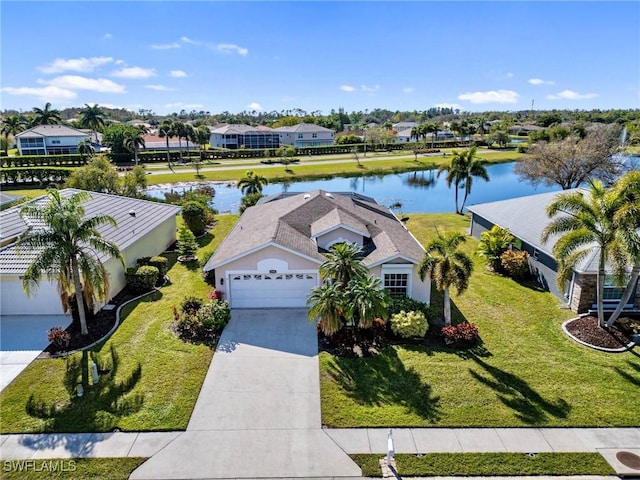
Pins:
x,y
34,175
45,161
142,279
161,263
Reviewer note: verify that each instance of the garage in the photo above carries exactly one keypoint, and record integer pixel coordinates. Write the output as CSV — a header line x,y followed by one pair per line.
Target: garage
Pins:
x,y
270,290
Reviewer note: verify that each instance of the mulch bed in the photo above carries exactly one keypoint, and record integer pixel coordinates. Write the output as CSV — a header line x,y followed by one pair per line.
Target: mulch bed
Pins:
x,y
99,325
586,330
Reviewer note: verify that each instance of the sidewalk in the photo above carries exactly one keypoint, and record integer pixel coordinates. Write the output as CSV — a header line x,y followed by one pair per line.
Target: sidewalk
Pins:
x,y
358,440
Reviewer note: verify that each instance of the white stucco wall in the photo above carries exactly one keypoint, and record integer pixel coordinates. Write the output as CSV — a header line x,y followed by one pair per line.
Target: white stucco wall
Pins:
x,y
418,290
339,235
14,301
64,141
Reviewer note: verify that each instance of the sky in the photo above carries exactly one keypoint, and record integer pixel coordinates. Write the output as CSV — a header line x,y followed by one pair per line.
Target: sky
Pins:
x,y
168,56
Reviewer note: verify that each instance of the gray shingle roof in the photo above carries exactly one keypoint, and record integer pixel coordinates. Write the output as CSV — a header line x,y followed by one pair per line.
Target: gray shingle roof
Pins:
x,y
526,217
130,228
51,131
240,129
6,198
303,128
290,221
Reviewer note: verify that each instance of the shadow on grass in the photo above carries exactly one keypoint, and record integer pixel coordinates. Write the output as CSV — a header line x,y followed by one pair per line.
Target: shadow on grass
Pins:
x,y
101,405
515,393
633,378
383,379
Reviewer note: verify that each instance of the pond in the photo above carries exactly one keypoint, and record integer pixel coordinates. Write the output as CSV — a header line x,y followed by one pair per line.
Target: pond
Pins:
x,y
415,191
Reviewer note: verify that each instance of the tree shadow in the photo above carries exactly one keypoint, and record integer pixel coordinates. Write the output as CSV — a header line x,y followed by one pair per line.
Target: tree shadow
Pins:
x,y
384,379
101,405
515,393
633,378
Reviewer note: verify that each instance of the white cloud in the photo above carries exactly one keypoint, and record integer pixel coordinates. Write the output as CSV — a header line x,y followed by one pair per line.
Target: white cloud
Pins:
x,y
160,88
571,95
188,40
255,106
539,81
107,36
178,73
509,75
347,88
183,105
165,46
76,82
370,89
82,64
454,106
231,48
49,93
492,96
134,72
408,90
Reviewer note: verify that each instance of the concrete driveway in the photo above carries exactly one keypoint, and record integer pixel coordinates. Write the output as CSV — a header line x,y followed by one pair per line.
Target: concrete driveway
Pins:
x,y
258,413
22,339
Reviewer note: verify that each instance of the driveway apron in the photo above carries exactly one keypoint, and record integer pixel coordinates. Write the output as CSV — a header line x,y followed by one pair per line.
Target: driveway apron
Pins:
x,y
258,413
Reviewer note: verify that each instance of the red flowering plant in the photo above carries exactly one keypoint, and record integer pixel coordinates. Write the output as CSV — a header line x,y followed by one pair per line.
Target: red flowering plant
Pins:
x,y
463,333
59,337
216,295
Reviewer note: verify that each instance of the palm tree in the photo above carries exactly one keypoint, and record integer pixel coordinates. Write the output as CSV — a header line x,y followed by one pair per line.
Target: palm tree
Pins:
x,y
493,243
471,166
179,128
167,131
415,132
447,266
66,249
342,264
326,303
133,140
433,128
203,136
13,125
628,219
368,300
252,183
93,118
46,115
586,222
454,174
85,148
189,136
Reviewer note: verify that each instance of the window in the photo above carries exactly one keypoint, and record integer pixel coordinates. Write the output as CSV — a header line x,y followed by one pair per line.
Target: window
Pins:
x,y
314,135
611,290
397,284
300,135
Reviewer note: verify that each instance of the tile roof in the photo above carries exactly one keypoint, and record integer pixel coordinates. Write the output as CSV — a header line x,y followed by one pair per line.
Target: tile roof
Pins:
x,y
51,131
290,221
129,229
304,128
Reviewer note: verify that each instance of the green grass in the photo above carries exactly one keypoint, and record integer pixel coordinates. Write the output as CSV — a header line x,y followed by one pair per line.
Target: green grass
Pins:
x,y
489,464
155,379
64,468
525,372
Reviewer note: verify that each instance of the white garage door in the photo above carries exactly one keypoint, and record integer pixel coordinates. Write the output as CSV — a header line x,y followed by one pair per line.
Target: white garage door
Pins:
x,y
277,290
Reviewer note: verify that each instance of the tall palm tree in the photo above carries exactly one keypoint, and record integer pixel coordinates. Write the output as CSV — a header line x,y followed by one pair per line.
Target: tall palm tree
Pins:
x,y
455,173
342,264
133,140
447,266
167,131
586,222
252,183
180,131
415,133
433,128
85,148
189,136
628,219
470,167
93,118
13,125
66,250
46,115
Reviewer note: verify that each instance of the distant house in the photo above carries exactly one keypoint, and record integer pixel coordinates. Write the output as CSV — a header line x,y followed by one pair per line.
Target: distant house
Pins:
x,y
50,140
526,218
404,126
143,229
272,256
306,135
404,136
523,130
153,142
244,136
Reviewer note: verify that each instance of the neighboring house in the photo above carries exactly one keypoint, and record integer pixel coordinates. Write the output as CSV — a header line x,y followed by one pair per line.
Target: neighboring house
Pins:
x,y
306,135
272,256
153,143
243,136
523,130
143,229
404,126
526,218
404,136
50,140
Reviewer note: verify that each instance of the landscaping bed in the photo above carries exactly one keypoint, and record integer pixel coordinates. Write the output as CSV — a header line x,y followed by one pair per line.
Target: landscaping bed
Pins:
x,y
587,330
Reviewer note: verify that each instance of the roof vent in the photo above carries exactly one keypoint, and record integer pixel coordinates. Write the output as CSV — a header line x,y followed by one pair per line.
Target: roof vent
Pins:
x,y
327,194
307,195
132,212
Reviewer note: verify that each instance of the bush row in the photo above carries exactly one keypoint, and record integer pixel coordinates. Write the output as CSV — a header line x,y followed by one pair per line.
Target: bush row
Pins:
x,y
33,175
44,161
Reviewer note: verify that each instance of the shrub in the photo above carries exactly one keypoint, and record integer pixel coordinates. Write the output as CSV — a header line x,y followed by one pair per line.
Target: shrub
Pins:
x,y
409,324
161,263
515,263
214,315
190,303
216,295
142,279
407,304
187,246
58,336
188,326
463,333
194,215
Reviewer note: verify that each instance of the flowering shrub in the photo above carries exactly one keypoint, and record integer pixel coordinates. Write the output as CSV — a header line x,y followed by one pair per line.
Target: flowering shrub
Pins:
x,y
58,336
214,315
409,324
515,263
216,295
200,321
461,333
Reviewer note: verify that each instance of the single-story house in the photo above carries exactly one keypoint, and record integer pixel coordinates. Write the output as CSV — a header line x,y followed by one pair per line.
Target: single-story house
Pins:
x,y
306,135
272,256
143,229
243,136
404,126
526,218
153,142
404,136
50,140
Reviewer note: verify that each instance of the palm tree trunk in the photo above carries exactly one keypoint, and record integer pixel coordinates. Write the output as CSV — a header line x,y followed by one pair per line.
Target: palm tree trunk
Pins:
x,y
447,307
79,300
180,147
626,295
457,187
135,154
600,290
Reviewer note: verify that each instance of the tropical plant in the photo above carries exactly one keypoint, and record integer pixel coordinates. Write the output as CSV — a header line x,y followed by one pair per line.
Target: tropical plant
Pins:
x,y
326,303
180,131
446,266
92,117
98,175
46,115
368,300
66,249
469,167
133,140
493,243
202,136
167,131
342,263
85,148
409,324
515,263
586,222
252,183
13,125
249,200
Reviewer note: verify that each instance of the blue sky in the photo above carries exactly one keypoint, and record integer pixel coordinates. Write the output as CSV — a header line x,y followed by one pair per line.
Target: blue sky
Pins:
x,y
216,56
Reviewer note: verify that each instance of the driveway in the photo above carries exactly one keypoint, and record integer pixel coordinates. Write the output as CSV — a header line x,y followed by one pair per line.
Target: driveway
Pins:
x,y
22,339
258,413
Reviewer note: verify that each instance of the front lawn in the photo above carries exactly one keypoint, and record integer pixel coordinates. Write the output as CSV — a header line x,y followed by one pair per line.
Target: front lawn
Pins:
x,y
157,376
525,372
76,468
